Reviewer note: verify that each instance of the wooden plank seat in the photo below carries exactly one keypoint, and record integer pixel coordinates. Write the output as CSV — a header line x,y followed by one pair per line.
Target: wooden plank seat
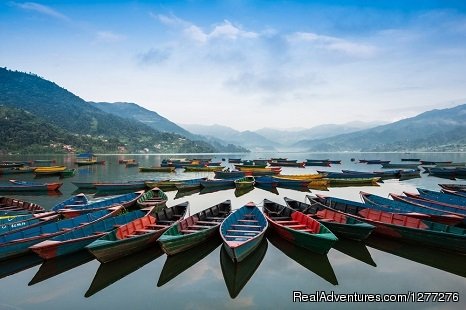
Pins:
x,y
214,218
197,227
223,212
248,221
243,231
235,237
157,226
247,226
296,226
143,231
307,230
165,222
207,223
286,223
281,218
188,231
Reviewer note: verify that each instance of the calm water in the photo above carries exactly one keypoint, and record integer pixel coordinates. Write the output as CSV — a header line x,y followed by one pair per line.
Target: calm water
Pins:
x,y
204,279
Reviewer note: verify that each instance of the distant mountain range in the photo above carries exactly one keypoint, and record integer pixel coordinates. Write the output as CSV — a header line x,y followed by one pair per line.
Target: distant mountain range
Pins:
x,y
436,130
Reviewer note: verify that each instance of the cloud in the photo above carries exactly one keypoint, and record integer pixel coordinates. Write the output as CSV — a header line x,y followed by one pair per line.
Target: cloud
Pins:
x,y
333,44
170,20
42,9
109,37
155,55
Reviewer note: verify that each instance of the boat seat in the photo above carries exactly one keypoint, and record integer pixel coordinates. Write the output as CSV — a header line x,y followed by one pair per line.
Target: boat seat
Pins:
x,y
326,220
296,226
207,223
243,231
143,231
242,237
249,221
214,218
223,212
307,230
249,226
66,229
188,231
156,226
281,218
291,222
166,222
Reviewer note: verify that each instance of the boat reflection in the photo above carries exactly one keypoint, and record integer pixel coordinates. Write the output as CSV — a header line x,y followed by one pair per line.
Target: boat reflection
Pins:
x,y
184,193
17,264
207,190
447,261
295,188
243,191
178,263
355,249
316,263
236,275
113,271
268,188
58,265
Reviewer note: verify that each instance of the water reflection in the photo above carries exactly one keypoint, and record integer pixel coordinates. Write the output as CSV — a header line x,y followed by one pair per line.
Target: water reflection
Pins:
x,y
116,270
295,188
237,275
316,263
17,264
443,260
355,249
269,188
58,265
243,191
208,190
187,192
178,263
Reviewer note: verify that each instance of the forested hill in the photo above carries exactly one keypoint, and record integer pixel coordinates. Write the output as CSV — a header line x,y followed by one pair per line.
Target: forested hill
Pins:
x,y
54,105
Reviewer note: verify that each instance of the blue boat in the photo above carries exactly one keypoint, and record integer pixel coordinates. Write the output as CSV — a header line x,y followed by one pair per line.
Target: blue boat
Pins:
x,y
24,222
229,174
442,197
18,243
413,198
266,181
76,239
217,183
243,231
79,199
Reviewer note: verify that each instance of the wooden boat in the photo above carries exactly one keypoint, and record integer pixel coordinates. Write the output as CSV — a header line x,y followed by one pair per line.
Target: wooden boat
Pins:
x,y
282,181
400,166
409,174
442,197
456,193
243,191
405,207
177,264
156,169
86,159
131,164
126,200
229,174
245,182
203,169
76,239
389,174
18,243
13,204
314,162
454,187
25,186
237,274
319,183
195,229
85,185
79,199
217,183
124,160
260,161
256,173
234,160
120,186
172,184
376,162
433,163
137,235
303,177
266,180
336,222
153,197
287,164
274,170
298,228
22,222
189,184
353,181
10,165
411,159
242,231
434,204
213,164
17,170
403,227
252,165
53,170
67,173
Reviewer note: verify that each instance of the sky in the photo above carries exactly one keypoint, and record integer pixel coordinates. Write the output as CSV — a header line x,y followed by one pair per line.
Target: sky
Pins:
x,y
247,64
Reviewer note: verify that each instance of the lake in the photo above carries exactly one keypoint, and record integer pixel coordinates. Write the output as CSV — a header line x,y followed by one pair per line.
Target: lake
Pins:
x,y
204,278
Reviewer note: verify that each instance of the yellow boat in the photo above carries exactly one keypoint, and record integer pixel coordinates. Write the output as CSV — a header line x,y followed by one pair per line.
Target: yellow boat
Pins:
x,y
250,169
203,169
49,170
319,183
301,177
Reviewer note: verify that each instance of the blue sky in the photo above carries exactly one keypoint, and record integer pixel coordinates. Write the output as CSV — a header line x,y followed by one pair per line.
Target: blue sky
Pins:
x,y
247,64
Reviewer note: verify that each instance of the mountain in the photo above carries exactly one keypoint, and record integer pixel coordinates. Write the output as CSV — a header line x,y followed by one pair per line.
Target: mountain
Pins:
x,y
247,139
290,137
160,123
436,130
54,105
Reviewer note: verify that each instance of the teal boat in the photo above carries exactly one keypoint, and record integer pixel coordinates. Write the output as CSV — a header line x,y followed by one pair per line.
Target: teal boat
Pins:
x,y
245,182
242,231
195,229
153,197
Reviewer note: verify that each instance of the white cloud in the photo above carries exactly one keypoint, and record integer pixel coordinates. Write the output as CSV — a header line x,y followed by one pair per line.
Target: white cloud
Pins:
x,y
42,9
196,34
171,20
109,37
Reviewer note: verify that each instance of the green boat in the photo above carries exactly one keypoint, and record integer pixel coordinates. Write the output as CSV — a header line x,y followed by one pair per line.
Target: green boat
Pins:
x,y
153,197
195,229
246,182
339,224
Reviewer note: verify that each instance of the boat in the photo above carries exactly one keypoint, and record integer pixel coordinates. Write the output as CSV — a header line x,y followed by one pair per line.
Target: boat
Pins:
x,y
272,170
456,193
113,271
302,177
298,228
25,186
125,160
337,223
126,200
178,263
234,160
404,206
229,174
411,159
174,184
153,197
156,169
454,187
17,170
409,174
353,181
400,166
79,199
120,186
434,204
315,263
137,235
194,229
189,184
403,227
18,223
282,181
242,231
433,163
203,168
76,239
18,243
87,159
287,164
442,197
217,183
85,185
243,191
321,163
13,204
10,165
53,170
260,161
131,164
208,190
389,174
252,165
266,181
245,182
237,274
67,173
